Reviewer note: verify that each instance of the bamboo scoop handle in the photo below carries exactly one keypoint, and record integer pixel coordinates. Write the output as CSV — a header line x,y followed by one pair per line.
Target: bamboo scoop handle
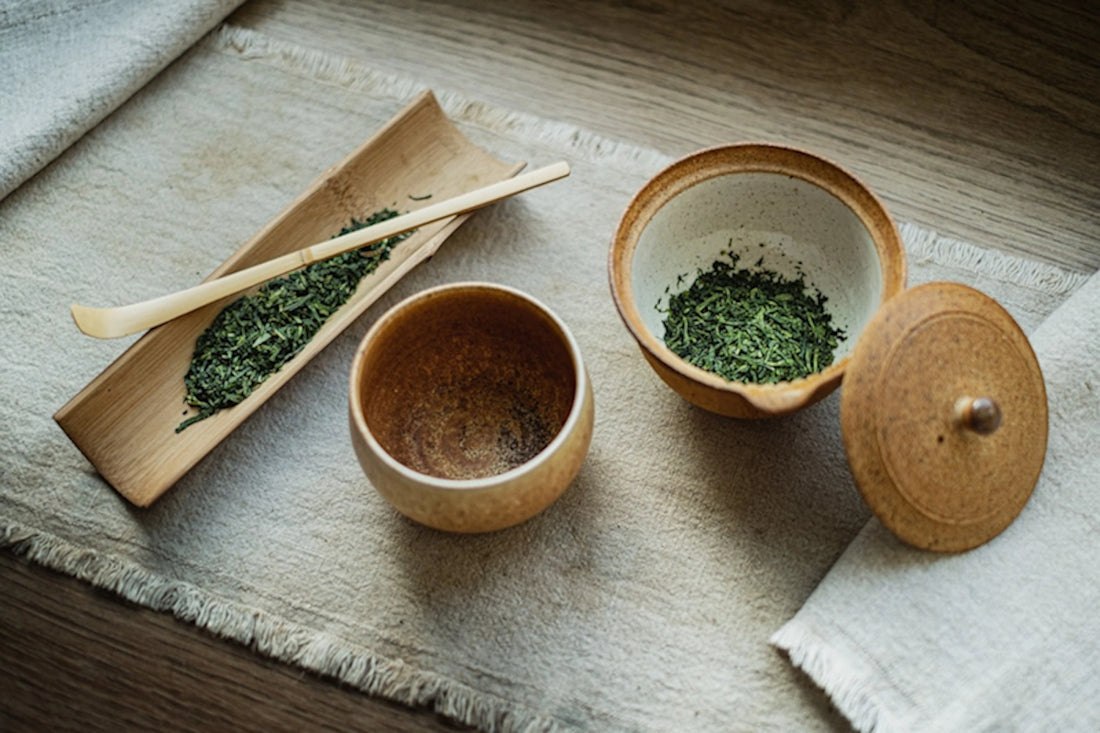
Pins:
x,y
127,319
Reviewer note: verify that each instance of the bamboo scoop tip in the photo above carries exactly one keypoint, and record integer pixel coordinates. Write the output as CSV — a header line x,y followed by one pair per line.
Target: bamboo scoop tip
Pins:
x,y
90,322
103,323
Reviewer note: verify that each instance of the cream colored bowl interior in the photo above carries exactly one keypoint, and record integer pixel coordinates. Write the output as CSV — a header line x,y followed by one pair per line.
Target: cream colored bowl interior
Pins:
x,y
794,226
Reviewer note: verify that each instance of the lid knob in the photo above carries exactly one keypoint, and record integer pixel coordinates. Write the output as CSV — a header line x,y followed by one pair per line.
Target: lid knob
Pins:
x,y
979,414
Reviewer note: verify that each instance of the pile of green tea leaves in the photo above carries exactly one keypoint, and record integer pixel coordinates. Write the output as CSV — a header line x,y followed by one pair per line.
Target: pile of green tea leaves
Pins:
x,y
255,335
750,325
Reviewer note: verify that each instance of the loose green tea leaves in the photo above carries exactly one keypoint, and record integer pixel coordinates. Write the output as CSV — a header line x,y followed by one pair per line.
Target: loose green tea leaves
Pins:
x,y
751,325
255,335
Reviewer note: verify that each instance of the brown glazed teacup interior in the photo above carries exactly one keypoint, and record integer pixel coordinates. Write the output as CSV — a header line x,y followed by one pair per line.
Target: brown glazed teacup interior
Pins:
x,y
470,408
464,386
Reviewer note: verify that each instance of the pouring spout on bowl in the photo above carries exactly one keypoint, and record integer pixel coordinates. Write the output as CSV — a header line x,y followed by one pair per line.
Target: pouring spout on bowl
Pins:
x,y
788,397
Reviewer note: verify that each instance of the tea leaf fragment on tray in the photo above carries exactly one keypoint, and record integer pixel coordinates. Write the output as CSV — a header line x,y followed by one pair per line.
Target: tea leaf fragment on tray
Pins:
x,y
255,335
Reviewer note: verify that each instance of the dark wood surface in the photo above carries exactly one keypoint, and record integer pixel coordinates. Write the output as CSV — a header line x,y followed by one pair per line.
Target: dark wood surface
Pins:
x,y
76,658
975,119
980,120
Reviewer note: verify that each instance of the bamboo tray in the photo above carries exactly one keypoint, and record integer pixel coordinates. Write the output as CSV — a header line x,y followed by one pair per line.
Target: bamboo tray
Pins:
x,y
124,420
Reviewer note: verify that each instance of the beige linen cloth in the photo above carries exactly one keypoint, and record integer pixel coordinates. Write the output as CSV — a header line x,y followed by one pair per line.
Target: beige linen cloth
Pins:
x,y
1004,637
643,599
66,64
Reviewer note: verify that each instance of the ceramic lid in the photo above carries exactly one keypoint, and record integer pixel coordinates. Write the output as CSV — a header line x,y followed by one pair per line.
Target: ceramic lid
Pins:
x,y
944,416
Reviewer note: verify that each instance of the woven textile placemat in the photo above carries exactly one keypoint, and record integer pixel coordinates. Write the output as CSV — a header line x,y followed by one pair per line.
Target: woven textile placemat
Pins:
x,y
67,64
643,599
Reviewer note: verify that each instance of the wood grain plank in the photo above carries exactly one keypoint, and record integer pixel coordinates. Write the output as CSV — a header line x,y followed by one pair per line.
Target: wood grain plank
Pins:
x,y
74,658
976,119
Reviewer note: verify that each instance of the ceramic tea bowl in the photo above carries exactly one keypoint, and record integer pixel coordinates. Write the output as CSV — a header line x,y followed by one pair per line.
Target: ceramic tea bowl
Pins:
x,y
783,210
470,408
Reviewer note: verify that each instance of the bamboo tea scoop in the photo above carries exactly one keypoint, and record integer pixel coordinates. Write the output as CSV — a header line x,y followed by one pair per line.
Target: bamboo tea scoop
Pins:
x,y
124,320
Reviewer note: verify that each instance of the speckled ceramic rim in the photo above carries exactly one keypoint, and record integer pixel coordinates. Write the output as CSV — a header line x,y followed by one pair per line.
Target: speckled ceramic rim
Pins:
x,y
731,160
576,409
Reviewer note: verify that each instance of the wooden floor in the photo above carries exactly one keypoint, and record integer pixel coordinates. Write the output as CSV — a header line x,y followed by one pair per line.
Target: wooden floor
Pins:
x,y
980,120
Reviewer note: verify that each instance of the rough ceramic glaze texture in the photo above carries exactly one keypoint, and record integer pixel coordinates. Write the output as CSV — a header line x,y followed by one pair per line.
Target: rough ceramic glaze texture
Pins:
x,y
785,210
470,408
934,481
